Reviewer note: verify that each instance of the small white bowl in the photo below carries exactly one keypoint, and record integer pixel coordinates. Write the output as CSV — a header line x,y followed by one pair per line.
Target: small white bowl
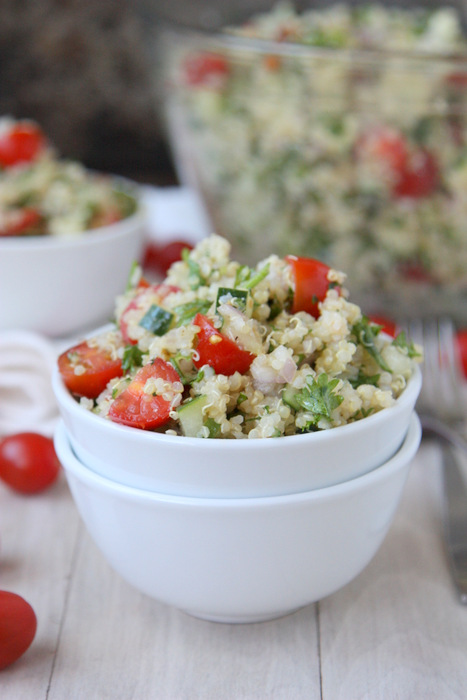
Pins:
x,y
61,285
217,468
239,560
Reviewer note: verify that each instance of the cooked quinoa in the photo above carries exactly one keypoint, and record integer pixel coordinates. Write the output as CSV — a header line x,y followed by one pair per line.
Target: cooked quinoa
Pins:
x,y
305,373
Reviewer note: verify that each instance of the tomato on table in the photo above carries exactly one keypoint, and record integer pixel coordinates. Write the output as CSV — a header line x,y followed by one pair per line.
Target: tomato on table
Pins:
x,y
99,368
18,625
28,462
219,352
20,221
310,283
139,410
206,70
160,257
21,144
462,349
419,177
158,291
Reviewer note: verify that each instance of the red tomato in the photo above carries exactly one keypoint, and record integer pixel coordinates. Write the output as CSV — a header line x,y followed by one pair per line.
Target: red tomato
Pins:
x,y
386,145
388,326
160,258
20,221
415,174
462,348
206,70
158,292
419,177
219,352
28,462
18,624
135,408
99,368
21,144
311,284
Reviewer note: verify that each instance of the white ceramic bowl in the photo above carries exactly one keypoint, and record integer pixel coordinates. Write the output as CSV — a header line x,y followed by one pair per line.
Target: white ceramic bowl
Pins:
x,y
239,560
57,286
217,468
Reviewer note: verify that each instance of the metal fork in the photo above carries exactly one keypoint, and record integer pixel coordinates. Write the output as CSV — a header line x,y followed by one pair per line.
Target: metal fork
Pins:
x,y
443,414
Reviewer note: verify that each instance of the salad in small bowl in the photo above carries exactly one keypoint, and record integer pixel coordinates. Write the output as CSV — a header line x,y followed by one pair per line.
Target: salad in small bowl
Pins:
x,y
63,231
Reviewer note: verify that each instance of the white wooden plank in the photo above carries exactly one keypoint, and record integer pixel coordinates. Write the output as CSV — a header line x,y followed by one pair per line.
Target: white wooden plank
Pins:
x,y
397,631
118,643
38,537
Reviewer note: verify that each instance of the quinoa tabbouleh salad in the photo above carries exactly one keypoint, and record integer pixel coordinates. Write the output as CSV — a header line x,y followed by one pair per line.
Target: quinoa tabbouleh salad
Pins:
x,y
41,194
223,350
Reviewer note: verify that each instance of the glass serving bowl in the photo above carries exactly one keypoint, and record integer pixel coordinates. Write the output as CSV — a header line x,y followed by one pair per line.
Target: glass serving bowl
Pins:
x,y
356,156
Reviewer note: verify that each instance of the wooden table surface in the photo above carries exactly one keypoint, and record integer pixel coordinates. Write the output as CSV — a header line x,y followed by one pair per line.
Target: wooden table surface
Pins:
x,y
396,632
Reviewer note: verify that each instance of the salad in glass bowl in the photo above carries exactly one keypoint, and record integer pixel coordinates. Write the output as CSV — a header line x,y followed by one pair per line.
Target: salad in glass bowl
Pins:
x,y
338,132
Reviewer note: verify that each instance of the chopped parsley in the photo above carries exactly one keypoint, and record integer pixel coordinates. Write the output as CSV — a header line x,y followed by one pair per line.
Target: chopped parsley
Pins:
x,y
132,357
401,341
366,334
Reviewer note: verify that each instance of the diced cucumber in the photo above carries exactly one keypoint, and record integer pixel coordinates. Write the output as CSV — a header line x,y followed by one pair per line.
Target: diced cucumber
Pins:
x,y
289,397
191,416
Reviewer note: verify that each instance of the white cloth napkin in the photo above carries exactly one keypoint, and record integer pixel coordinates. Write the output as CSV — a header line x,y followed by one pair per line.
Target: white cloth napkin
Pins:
x,y
27,402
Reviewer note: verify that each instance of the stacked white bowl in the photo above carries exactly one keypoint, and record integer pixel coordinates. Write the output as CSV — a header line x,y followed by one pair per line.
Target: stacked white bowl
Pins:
x,y
238,530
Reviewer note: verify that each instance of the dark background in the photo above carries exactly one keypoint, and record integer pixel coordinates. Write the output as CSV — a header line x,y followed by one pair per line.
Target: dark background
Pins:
x,y
85,70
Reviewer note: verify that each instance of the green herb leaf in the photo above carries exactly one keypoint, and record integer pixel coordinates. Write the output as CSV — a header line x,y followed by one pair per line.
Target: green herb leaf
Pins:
x,y
401,341
362,378
366,334
132,357
156,320
186,312
257,278
196,279
213,427
319,397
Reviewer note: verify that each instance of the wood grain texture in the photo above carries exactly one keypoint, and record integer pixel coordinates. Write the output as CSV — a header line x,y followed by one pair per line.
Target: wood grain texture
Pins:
x,y
396,632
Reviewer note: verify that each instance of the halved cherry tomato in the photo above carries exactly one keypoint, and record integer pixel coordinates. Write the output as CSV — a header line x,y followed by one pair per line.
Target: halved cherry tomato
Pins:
x,y
158,292
160,258
219,352
19,221
462,349
419,177
28,462
206,70
135,408
99,368
21,144
415,173
310,284
18,625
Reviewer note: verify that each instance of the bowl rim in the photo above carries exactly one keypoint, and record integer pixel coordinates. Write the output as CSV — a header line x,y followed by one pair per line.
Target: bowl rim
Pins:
x,y
81,238
84,474
352,56
64,398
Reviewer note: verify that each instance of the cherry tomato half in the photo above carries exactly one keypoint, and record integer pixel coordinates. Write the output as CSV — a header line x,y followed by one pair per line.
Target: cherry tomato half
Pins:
x,y
387,325
18,625
21,144
98,365
206,70
219,352
135,408
28,462
310,284
20,221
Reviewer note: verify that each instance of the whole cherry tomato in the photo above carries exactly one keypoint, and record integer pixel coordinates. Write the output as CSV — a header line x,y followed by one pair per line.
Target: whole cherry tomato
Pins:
x,y
159,258
18,624
462,348
28,462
